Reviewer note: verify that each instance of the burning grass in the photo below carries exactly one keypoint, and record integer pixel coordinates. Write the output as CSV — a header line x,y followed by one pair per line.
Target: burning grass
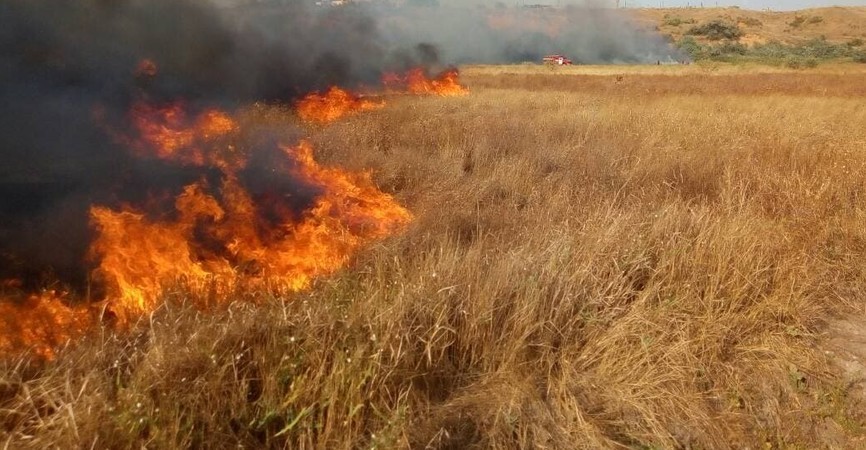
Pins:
x,y
242,231
594,263
271,221
416,81
337,103
332,105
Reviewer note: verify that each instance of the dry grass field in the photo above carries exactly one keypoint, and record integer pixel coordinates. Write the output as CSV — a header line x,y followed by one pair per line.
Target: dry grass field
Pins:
x,y
673,72
621,258
835,24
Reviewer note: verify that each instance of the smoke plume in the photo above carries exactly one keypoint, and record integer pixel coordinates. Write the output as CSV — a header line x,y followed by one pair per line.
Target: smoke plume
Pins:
x,y
586,34
72,70
69,77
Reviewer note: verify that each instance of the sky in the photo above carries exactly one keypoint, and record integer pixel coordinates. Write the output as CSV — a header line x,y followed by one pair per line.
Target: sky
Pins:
x,y
750,4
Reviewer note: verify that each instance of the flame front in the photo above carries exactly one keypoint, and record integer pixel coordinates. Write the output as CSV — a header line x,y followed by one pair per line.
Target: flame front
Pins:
x,y
258,219
416,81
218,239
41,322
332,105
167,132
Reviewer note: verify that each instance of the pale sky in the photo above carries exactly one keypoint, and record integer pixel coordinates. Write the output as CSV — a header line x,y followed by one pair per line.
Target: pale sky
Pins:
x,y
747,4
750,4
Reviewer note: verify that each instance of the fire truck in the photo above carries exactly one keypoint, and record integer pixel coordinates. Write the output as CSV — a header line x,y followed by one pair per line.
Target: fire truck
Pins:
x,y
557,60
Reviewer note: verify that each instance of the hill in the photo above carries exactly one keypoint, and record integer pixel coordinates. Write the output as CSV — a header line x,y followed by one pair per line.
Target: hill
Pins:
x,y
836,24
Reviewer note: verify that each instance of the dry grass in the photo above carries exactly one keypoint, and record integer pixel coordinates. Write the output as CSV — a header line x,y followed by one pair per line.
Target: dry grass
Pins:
x,y
838,24
695,84
701,68
642,263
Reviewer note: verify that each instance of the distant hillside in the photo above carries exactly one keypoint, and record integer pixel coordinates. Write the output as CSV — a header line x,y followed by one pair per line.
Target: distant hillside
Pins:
x,y
836,24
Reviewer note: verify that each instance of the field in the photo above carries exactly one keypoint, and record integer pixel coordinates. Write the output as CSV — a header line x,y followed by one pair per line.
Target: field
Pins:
x,y
605,257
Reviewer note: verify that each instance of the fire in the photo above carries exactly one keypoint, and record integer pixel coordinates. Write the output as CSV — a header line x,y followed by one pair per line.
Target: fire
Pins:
x,y
337,102
138,256
446,84
167,132
259,218
221,238
41,322
332,105
416,81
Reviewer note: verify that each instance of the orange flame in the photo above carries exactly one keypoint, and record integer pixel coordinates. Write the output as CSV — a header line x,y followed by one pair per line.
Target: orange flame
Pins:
x,y
334,104
167,132
218,240
415,81
41,322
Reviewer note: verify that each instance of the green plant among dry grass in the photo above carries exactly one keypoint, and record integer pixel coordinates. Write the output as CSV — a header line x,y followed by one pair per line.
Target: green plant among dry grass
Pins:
x,y
638,261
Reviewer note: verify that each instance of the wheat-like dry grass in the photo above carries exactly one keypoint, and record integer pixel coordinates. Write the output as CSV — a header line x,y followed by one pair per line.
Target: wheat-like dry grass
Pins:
x,y
701,68
643,262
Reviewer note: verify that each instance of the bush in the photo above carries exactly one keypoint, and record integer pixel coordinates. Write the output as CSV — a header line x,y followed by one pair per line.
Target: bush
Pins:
x,y
856,42
727,50
673,21
774,50
717,30
750,21
816,48
676,21
691,47
798,20
815,19
805,55
820,48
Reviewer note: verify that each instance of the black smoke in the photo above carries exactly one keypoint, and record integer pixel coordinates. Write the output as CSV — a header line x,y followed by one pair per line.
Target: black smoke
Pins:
x,y
68,79
67,74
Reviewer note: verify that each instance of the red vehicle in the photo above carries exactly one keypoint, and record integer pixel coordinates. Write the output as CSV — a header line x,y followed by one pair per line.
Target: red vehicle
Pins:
x,y
557,60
